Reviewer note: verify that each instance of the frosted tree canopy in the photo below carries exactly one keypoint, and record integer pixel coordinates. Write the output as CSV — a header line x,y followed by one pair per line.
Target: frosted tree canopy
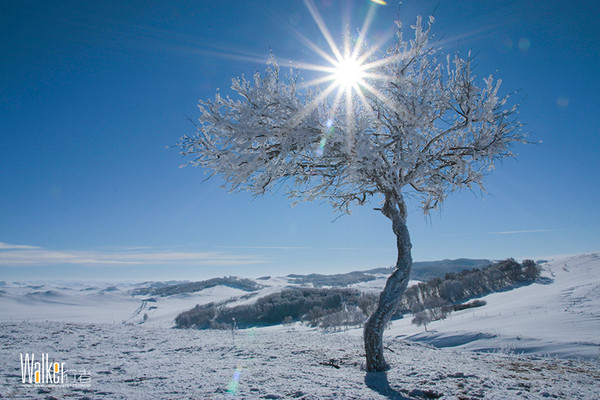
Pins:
x,y
416,123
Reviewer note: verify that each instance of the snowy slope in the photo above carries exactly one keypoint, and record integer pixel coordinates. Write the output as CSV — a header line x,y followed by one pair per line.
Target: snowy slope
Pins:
x,y
114,303
559,315
70,303
74,302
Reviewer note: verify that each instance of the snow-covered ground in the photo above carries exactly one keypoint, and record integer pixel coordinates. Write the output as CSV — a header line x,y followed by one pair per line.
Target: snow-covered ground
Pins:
x,y
139,362
101,329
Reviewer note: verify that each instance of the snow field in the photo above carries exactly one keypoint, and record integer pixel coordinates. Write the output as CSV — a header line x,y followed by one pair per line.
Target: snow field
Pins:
x,y
140,362
102,330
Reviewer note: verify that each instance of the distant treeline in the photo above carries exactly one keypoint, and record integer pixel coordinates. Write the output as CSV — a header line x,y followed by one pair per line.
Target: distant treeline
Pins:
x,y
246,285
425,270
302,304
422,271
467,284
437,298
332,308
318,280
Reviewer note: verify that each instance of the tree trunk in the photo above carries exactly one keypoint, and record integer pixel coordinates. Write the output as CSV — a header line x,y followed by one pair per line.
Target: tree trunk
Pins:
x,y
389,299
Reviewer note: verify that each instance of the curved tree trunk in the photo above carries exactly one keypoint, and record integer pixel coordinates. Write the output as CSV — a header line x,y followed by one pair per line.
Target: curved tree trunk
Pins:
x,y
389,299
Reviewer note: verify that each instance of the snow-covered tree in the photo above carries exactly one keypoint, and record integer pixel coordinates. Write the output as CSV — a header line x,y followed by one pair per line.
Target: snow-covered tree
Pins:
x,y
430,314
414,125
422,318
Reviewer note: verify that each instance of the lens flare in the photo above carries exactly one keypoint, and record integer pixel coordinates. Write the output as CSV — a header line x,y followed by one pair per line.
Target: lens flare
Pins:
x,y
326,135
251,340
235,381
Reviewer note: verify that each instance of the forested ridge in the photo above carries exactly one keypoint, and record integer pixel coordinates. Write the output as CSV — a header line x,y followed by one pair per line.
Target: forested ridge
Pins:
x,y
342,307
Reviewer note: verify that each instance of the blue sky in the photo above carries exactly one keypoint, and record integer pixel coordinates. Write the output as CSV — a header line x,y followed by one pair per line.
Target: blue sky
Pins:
x,y
92,93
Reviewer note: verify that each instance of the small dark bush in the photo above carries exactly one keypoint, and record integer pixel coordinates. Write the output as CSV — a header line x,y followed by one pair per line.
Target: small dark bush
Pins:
x,y
472,304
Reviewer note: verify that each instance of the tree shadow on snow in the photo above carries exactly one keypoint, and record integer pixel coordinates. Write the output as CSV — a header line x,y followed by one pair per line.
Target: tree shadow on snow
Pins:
x,y
378,381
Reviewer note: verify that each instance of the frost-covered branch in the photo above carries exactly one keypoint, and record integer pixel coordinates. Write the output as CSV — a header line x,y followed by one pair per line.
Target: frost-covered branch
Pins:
x,y
420,124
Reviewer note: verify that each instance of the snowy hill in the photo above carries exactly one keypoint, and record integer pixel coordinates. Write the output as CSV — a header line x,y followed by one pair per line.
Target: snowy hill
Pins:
x,y
558,315
101,329
75,302
109,302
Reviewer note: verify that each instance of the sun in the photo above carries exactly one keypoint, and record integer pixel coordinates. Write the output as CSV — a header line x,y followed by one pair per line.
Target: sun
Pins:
x,y
348,72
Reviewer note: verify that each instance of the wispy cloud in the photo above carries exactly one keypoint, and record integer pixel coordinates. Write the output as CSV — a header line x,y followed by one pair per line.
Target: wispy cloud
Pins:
x,y
8,246
308,248
522,231
390,248
455,234
21,255
269,247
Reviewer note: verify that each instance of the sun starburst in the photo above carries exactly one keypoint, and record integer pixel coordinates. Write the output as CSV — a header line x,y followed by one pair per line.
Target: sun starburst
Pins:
x,y
348,72
347,76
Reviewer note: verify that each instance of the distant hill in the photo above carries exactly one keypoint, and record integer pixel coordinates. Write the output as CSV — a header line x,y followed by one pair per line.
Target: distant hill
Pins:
x,y
318,280
425,270
191,287
422,271
334,307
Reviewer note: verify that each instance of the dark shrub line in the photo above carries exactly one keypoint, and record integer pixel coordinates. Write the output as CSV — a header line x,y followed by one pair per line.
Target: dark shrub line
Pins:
x,y
332,308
